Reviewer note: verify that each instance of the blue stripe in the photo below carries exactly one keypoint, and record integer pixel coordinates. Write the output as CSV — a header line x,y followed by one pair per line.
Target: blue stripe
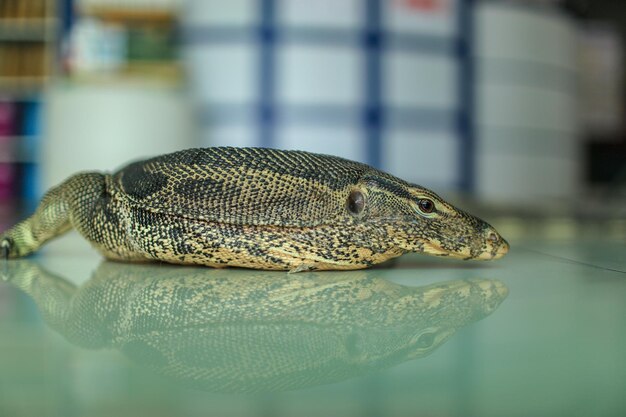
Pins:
x,y
414,118
521,73
321,114
318,36
193,35
373,114
466,127
420,118
523,141
67,16
426,44
227,114
267,39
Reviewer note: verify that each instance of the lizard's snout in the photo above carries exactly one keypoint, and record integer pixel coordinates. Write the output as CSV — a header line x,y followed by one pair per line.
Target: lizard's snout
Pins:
x,y
496,247
502,250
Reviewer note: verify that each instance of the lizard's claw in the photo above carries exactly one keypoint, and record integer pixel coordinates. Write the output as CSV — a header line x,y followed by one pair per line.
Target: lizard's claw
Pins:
x,y
5,247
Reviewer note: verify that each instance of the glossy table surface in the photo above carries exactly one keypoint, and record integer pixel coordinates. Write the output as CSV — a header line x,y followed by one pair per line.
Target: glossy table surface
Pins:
x,y
541,332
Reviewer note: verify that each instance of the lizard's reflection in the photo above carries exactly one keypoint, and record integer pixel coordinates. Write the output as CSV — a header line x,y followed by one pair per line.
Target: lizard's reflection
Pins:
x,y
243,331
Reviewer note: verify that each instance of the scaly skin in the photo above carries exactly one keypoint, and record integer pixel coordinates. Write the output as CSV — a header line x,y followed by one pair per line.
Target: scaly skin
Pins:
x,y
255,208
248,331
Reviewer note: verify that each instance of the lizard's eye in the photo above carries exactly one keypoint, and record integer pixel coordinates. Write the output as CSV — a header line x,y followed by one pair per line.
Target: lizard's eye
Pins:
x,y
425,340
356,202
426,206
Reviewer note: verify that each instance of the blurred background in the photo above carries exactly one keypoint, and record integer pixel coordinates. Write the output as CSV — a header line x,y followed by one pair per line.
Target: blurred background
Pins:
x,y
515,107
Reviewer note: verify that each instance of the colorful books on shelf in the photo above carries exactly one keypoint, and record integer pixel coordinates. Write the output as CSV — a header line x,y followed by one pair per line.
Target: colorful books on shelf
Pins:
x,y
20,129
27,50
31,133
8,119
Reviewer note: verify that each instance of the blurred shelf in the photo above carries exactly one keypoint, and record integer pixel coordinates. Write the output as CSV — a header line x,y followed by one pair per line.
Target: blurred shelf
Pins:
x,y
132,15
27,30
22,83
27,48
26,9
22,86
164,70
152,73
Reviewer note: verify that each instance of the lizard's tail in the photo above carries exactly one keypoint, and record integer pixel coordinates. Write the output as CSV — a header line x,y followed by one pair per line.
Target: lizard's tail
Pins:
x,y
52,218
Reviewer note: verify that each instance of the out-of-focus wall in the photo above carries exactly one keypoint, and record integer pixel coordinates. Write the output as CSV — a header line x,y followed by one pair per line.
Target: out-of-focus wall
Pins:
x,y
102,126
122,96
386,82
528,128
375,81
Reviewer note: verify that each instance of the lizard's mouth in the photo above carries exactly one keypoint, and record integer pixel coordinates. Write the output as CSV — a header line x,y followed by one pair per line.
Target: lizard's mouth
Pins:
x,y
502,250
491,250
435,248
494,250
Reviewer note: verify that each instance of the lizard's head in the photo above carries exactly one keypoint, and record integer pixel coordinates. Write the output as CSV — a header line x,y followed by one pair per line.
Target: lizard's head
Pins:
x,y
418,220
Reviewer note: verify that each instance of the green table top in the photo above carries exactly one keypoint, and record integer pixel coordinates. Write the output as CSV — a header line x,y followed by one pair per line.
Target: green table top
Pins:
x,y
423,336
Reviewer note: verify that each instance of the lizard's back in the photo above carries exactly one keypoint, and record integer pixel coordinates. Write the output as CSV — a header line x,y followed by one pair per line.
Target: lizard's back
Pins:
x,y
247,186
